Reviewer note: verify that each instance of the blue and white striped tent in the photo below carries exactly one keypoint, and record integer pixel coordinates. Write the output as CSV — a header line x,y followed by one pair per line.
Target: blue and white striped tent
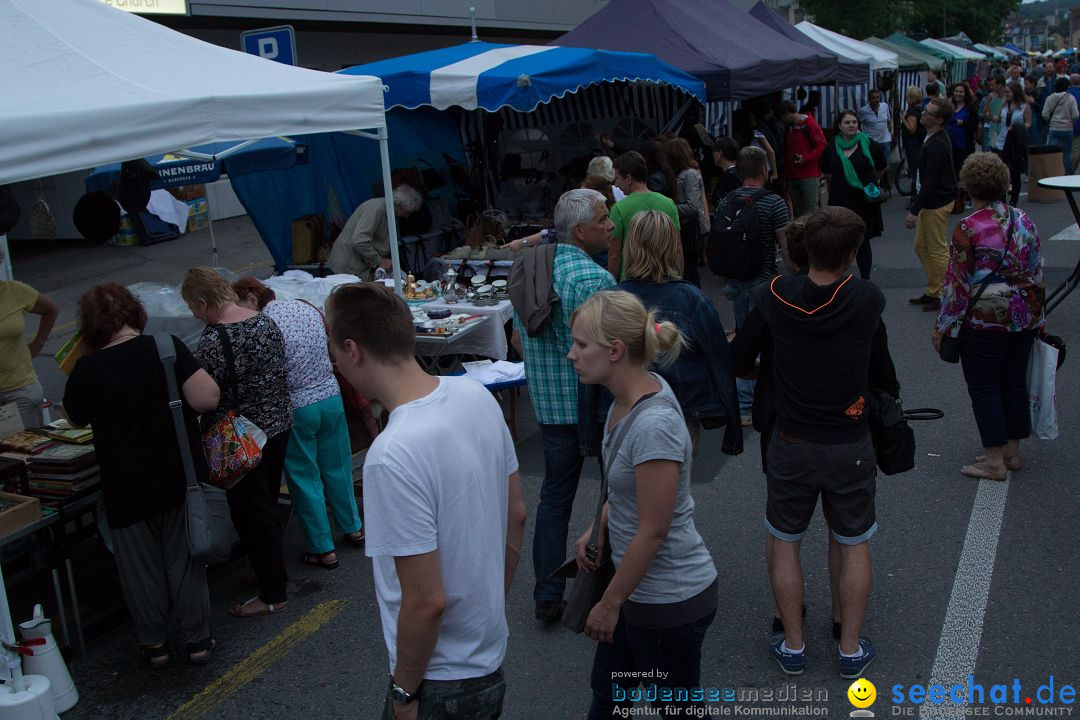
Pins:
x,y
489,76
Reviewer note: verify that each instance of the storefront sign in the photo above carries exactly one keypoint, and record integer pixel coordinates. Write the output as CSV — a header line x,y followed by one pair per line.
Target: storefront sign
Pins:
x,y
150,7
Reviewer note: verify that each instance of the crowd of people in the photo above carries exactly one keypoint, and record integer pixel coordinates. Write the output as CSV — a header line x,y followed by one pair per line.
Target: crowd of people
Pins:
x,y
627,360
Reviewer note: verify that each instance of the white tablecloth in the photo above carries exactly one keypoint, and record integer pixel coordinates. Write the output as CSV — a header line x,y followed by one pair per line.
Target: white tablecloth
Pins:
x,y
487,341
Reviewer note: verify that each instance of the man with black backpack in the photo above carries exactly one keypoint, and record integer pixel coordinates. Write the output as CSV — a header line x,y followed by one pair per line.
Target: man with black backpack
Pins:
x,y
745,232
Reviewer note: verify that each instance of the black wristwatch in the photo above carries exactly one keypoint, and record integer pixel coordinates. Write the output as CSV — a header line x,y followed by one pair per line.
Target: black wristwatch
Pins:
x,y
400,695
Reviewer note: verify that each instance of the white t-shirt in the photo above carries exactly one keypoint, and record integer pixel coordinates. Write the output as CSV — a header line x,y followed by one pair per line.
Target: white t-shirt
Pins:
x,y
436,479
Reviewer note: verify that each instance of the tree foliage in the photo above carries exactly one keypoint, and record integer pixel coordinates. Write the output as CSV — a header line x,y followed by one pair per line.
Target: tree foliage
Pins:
x,y
980,19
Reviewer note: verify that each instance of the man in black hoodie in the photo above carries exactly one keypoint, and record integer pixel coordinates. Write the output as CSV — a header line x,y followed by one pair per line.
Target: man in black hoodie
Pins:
x,y
823,326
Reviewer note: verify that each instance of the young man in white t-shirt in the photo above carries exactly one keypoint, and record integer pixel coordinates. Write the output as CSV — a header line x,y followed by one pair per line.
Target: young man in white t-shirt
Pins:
x,y
444,511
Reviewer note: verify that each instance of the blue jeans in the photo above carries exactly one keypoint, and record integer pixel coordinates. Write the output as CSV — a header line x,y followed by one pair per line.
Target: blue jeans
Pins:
x,y
741,295
995,368
1064,139
562,470
676,651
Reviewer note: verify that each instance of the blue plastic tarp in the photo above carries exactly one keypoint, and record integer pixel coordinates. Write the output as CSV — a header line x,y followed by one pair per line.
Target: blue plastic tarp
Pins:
x,y
490,76
343,171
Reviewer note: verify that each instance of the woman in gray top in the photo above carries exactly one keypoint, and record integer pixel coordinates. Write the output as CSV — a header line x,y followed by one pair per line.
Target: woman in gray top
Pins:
x,y
664,591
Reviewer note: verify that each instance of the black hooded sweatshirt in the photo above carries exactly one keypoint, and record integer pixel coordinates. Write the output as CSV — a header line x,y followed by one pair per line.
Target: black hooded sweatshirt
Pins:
x,y
822,339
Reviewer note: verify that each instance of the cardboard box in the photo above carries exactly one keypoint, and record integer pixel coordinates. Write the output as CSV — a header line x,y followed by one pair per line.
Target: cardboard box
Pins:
x,y
21,512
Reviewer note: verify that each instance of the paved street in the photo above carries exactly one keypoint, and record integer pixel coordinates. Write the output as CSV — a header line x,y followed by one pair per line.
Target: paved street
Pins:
x,y
970,577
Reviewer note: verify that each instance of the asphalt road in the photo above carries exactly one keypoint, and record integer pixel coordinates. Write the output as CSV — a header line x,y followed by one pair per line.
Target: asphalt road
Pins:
x,y
969,577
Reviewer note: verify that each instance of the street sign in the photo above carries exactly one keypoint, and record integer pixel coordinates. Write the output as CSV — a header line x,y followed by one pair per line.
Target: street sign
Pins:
x,y
274,43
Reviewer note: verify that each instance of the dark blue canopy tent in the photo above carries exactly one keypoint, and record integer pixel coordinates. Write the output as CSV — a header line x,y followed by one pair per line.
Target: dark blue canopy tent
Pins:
x,y
736,55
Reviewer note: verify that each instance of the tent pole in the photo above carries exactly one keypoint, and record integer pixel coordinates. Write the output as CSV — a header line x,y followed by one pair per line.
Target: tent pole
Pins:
x,y
5,262
391,217
210,225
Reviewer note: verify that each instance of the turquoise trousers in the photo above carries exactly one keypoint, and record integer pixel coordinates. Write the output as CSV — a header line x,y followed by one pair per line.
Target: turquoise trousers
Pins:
x,y
318,470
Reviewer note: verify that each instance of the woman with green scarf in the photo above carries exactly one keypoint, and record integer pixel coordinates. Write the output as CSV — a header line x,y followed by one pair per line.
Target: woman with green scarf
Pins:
x,y
850,163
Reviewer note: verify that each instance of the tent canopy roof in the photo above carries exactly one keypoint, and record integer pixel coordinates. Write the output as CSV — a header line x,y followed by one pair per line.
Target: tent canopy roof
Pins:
x,y
878,58
850,71
957,53
737,56
91,85
490,76
993,52
909,58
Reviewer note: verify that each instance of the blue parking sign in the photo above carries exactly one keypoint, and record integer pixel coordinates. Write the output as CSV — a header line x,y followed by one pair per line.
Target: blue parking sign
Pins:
x,y
275,43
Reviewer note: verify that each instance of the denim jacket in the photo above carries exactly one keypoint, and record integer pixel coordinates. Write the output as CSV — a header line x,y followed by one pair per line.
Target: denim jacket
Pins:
x,y
702,376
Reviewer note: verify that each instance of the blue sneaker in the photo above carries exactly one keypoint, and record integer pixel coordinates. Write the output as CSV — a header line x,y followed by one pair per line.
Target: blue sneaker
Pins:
x,y
790,662
853,667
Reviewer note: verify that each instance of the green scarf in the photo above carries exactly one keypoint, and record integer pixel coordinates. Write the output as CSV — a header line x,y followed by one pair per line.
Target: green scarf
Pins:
x,y
850,175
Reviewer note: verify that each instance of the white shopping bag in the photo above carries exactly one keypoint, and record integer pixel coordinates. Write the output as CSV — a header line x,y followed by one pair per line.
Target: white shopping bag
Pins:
x,y
1041,376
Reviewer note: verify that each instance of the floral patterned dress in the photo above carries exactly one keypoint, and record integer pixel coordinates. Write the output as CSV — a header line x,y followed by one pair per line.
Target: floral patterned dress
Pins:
x,y
1013,299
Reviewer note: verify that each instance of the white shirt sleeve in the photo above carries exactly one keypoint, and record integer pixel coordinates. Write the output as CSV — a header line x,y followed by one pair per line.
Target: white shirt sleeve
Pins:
x,y
400,512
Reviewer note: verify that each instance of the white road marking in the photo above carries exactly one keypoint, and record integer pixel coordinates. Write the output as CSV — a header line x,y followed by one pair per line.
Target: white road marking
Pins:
x,y
961,633
1071,233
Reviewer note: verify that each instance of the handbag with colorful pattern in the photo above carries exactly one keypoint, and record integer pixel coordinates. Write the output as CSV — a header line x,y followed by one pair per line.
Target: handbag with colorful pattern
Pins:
x,y
233,445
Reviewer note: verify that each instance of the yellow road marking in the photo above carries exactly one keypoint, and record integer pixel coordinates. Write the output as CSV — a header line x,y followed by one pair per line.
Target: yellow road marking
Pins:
x,y
258,662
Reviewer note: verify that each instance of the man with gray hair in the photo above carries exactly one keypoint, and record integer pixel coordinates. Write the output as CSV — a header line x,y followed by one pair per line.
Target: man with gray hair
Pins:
x,y
364,242
581,219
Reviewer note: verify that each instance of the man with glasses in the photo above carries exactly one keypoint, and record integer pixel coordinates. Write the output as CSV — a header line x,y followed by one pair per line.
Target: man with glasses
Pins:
x,y
929,213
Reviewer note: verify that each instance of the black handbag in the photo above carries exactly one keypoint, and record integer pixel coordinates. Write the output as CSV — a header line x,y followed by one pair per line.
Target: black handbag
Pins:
x,y
589,585
893,438
949,350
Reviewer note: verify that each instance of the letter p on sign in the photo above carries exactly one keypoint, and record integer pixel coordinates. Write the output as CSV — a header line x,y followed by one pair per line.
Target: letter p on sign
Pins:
x,y
276,43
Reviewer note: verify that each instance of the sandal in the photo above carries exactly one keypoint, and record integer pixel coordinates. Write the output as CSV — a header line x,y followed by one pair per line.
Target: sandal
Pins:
x,y
245,609
200,653
155,658
355,539
982,471
1011,462
320,560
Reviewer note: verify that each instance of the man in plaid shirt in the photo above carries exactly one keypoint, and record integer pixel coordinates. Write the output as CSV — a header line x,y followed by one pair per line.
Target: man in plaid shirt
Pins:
x,y
581,218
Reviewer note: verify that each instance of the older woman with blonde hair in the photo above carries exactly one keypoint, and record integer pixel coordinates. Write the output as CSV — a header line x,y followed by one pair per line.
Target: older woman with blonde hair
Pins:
x,y
993,301
702,377
658,606
244,351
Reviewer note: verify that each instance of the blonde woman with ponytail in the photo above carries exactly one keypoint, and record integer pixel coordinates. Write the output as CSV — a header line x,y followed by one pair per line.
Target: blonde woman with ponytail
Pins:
x,y
663,596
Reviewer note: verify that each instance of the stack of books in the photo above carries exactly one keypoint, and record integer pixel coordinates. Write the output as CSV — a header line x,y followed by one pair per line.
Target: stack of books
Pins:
x,y
62,471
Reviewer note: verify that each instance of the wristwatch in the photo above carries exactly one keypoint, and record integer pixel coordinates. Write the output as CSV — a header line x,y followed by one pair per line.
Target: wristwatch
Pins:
x,y
400,695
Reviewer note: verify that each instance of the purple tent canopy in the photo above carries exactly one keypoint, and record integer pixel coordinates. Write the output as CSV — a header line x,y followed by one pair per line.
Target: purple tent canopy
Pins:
x,y
851,72
736,55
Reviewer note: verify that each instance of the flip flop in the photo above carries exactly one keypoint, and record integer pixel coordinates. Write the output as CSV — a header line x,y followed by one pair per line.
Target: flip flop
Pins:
x,y
243,609
319,560
200,653
1011,463
355,539
982,471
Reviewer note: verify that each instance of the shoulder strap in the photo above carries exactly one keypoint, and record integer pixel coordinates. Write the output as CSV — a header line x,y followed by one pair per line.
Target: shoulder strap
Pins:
x,y
609,457
167,353
1004,254
230,364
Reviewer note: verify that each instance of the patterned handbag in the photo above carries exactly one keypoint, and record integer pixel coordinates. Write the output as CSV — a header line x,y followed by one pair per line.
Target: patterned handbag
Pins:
x,y
233,445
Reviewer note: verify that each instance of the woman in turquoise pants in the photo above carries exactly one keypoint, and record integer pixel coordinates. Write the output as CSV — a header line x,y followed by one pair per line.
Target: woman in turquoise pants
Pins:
x,y
318,461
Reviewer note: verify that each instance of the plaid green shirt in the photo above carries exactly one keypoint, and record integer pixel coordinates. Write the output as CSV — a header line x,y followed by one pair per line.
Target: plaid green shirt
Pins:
x,y
552,380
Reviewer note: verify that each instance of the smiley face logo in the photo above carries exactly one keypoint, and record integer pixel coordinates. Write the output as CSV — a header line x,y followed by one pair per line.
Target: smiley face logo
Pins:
x,y
862,693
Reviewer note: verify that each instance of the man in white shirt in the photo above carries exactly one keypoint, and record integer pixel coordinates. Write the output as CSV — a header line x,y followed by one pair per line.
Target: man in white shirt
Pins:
x,y
875,119
444,511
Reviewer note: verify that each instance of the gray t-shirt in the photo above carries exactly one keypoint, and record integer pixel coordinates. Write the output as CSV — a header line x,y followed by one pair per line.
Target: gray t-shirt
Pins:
x,y
683,566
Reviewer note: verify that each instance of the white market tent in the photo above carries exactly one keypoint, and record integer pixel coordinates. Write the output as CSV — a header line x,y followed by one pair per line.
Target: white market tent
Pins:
x,y
91,85
877,58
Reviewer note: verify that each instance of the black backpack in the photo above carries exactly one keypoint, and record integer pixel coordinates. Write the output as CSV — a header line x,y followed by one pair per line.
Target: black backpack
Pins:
x,y
735,247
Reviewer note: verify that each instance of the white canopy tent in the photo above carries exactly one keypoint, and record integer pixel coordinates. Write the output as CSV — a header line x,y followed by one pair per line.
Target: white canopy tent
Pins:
x,y
91,85
877,58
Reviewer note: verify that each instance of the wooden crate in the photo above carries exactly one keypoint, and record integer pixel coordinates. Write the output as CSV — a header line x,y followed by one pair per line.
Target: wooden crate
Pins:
x,y
23,511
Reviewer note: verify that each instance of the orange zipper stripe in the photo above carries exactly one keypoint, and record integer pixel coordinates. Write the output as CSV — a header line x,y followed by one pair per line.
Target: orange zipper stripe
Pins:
x,y
772,289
